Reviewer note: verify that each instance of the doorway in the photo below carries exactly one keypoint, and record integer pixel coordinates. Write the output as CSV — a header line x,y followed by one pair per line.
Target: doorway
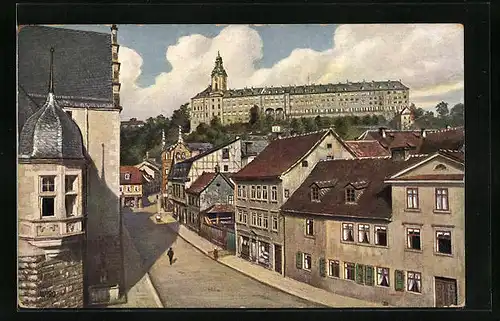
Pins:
x,y
446,292
277,258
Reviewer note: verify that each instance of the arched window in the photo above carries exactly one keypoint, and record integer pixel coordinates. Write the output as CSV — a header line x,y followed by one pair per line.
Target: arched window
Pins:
x,y
440,167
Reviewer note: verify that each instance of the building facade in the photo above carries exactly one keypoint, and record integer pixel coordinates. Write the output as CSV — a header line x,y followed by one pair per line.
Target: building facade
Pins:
x,y
385,98
131,187
265,184
86,78
398,241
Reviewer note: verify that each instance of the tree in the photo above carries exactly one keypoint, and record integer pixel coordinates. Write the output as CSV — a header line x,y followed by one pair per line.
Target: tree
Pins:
x,y
442,109
366,120
341,126
309,124
296,126
355,120
374,120
457,115
254,115
318,121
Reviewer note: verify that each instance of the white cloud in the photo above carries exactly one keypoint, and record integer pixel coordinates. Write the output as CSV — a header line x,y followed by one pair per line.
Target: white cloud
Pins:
x,y
428,58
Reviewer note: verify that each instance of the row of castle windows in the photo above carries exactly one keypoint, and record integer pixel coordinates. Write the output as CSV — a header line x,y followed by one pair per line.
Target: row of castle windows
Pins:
x,y
48,194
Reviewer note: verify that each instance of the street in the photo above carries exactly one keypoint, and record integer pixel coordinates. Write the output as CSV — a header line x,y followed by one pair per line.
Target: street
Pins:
x,y
194,280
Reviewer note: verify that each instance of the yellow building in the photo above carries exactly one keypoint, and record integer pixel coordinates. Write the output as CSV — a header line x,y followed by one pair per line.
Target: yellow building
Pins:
x,y
386,98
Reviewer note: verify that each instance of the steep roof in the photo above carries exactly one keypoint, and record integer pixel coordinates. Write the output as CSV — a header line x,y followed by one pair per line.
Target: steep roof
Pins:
x,y
367,175
201,183
135,175
451,139
253,148
82,68
280,155
207,152
367,148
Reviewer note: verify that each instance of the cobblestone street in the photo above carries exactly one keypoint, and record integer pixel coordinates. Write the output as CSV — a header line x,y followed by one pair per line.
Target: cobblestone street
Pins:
x,y
194,280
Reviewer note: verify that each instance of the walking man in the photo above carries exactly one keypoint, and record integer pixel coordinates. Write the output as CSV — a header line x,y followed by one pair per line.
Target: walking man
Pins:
x,y
170,254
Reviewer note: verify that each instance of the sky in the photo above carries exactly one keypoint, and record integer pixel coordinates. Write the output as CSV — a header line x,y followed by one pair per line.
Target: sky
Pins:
x,y
163,66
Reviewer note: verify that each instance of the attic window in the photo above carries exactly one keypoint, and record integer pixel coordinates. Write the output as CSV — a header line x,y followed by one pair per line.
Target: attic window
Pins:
x,y
350,195
440,167
305,164
315,194
127,176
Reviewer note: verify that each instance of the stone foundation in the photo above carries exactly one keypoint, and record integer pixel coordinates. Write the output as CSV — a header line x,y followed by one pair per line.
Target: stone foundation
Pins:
x,y
51,282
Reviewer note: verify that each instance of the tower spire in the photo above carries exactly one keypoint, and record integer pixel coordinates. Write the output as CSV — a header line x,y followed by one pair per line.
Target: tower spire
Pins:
x,y
180,134
163,139
51,77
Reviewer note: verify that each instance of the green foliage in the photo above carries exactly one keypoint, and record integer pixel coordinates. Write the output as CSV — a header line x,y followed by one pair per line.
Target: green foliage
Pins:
x,y
442,109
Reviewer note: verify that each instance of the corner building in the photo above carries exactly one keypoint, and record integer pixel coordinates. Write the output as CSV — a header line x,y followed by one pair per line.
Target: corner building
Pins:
x,y
387,98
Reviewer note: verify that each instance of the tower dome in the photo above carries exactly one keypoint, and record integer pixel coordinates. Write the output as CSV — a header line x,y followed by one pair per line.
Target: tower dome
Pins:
x,y
50,133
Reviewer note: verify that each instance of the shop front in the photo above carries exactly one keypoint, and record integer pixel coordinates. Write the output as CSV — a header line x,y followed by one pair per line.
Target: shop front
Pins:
x,y
256,251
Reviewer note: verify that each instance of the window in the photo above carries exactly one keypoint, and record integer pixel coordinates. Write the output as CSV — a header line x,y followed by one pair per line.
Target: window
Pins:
x,y
274,226
350,195
413,235
253,192
287,193
264,193
265,222
254,219
259,192
245,217
305,164
259,220
240,193
328,145
348,232
48,204
381,235
443,242
382,276
129,188
136,188
127,176
69,183
412,198
363,233
307,261
442,199
315,193
48,184
349,271
309,227
333,268
225,153
226,168
230,199
121,189
274,193
414,282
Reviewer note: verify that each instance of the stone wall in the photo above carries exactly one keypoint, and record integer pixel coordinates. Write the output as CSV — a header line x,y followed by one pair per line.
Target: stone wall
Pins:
x,y
51,282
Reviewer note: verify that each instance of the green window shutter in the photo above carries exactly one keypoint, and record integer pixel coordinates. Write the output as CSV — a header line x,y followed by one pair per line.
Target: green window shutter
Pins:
x,y
298,261
369,279
399,283
360,273
322,267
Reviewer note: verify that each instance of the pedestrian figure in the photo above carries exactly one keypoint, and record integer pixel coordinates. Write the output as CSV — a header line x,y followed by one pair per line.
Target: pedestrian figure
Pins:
x,y
170,254
216,254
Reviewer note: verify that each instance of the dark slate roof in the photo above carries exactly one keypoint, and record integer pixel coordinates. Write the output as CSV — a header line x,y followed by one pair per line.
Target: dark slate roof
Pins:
x,y
50,133
199,146
310,89
201,183
135,175
280,155
179,172
367,175
82,66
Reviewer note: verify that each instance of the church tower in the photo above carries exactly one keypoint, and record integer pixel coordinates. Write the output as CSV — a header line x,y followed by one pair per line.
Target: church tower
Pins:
x,y
219,75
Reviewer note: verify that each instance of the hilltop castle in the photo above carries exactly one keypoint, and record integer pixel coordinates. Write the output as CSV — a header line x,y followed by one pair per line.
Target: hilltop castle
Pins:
x,y
386,98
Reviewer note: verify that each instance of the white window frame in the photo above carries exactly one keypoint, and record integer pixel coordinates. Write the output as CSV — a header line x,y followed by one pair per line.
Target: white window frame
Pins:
x,y
381,228
363,229
50,193
415,276
380,273
127,176
259,219
412,198
442,199
274,220
309,227
330,268
253,219
344,228
408,239
274,193
265,195
304,261
443,232
347,270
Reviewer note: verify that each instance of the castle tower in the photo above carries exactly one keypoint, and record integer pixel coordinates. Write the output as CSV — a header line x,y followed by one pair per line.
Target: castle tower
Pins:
x,y
51,210
405,119
219,75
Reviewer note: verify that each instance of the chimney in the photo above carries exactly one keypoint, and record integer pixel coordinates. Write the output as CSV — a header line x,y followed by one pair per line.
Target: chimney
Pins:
x,y
423,133
382,132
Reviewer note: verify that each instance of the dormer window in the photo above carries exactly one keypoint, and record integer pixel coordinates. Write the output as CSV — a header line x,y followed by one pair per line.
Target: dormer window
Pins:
x,y
350,195
315,194
127,176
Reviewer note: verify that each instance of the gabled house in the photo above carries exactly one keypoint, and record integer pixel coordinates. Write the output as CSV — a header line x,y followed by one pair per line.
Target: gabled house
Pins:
x,y
151,172
131,186
250,149
209,189
388,230
267,182
225,158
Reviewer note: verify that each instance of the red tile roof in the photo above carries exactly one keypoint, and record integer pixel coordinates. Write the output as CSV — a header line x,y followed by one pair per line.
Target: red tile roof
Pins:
x,y
279,156
201,183
457,155
375,199
367,148
135,175
220,208
433,177
452,139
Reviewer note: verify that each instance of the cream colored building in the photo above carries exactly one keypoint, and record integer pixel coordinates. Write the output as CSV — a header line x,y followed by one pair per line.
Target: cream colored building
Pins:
x,y
381,229
332,100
